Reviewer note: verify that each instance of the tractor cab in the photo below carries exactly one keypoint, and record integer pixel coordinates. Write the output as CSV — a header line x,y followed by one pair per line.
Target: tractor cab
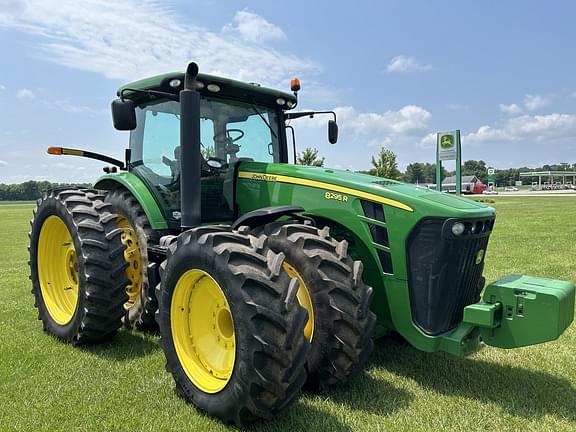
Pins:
x,y
230,132
238,122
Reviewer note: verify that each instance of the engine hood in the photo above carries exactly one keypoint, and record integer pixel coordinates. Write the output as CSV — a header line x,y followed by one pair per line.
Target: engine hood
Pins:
x,y
408,197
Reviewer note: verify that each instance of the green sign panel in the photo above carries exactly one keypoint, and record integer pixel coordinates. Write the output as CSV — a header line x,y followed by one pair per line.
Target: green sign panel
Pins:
x,y
447,145
491,172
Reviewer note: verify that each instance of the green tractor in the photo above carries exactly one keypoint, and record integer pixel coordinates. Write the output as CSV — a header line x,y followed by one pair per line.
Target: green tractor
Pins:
x,y
264,276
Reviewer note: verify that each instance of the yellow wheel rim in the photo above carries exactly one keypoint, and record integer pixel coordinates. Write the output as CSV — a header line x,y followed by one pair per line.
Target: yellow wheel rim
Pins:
x,y
203,330
304,299
58,270
133,257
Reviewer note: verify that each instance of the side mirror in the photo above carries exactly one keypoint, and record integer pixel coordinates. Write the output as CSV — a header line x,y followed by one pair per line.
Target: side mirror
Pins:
x,y
123,114
332,132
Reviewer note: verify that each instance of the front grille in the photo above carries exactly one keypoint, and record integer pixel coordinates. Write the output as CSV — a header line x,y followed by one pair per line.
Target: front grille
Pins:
x,y
445,271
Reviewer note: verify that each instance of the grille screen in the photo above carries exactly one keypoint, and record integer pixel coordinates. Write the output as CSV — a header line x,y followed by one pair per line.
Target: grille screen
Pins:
x,y
445,272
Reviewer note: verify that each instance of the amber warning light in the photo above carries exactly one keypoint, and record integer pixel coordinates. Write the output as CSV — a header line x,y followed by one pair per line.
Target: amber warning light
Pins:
x,y
55,150
295,84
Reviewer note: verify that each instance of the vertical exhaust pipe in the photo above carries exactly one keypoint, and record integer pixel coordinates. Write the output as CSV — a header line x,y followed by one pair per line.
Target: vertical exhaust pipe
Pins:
x,y
190,167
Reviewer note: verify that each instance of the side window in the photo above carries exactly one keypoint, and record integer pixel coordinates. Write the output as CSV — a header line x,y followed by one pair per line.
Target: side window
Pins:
x,y
257,143
160,140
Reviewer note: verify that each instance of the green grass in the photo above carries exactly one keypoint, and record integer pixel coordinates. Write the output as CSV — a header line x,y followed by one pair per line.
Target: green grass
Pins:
x,y
122,385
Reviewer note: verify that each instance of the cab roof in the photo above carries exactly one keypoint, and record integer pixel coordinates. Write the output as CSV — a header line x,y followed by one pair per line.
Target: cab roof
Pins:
x,y
229,88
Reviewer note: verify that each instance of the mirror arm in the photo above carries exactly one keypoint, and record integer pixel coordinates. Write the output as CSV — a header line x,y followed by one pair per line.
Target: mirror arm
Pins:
x,y
311,114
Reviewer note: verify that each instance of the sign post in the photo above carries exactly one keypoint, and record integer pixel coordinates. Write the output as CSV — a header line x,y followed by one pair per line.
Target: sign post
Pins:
x,y
491,172
448,147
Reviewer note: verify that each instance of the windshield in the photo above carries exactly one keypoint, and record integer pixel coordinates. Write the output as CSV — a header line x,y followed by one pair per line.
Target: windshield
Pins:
x,y
230,132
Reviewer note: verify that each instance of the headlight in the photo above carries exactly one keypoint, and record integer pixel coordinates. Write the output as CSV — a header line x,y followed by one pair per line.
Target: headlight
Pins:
x,y
458,228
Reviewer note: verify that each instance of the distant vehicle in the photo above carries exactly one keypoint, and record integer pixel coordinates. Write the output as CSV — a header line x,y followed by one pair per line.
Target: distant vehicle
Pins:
x,y
479,188
490,192
511,189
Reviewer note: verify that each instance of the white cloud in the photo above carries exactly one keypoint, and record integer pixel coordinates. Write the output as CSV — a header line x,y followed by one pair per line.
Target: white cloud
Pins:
x,y
3,163
2,87
135,38
510,109
404,63
400,127
529,128
384,129
406,120
25,95
428,141
252,27
535,102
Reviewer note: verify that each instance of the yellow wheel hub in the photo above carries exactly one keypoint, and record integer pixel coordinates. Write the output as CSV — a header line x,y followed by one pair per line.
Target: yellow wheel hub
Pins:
x,y
58,270
303,298
203,330
133,257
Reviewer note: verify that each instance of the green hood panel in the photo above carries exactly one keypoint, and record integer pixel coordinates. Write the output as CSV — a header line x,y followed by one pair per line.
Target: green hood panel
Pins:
x,y
400,195
453,201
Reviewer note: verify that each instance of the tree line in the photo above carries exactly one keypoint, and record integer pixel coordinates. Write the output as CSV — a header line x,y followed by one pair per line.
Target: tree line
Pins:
x,y
384,165
31,190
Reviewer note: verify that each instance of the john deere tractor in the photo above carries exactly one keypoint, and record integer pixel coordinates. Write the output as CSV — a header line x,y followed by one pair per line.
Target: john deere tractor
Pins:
x,y
265,276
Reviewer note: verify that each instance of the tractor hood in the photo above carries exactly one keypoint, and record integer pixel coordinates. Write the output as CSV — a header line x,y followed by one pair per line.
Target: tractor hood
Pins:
x,y
404,196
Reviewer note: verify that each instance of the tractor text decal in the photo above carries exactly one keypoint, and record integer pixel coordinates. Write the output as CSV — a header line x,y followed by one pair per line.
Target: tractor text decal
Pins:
x,y
336,196
263,177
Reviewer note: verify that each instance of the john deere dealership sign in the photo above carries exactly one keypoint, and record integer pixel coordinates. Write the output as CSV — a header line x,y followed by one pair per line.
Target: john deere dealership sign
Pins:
x,y
448,148
447,145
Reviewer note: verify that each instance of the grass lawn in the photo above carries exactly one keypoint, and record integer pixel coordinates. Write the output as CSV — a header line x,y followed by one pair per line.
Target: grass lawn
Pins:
x,y
122,385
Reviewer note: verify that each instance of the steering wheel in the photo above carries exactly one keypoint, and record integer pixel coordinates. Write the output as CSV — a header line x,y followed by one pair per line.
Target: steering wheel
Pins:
x,y
228,135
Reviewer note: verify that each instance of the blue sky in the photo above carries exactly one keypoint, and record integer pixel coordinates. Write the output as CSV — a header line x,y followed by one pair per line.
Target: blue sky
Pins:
x,y
396,72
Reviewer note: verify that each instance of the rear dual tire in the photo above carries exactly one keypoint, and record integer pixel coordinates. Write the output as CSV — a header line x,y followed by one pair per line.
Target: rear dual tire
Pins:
x,y
136,235
77,266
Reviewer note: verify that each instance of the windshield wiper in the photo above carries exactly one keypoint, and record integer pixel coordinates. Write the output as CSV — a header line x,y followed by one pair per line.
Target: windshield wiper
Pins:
x,y
263,119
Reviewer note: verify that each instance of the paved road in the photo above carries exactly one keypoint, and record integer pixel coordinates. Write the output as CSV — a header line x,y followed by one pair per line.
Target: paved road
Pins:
x,y
552,193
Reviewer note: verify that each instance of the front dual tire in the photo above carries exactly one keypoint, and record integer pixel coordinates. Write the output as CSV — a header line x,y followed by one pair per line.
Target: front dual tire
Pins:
x,y
231,327
340,323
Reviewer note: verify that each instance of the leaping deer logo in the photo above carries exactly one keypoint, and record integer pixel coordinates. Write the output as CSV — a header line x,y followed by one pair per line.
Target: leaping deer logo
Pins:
x,y
447,141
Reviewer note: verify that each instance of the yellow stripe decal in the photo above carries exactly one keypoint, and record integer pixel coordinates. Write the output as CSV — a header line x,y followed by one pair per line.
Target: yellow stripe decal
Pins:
x,y
322,185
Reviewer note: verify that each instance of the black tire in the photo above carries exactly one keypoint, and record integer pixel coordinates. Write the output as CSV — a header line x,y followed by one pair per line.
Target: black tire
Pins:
x,y
100,265
140,314
268,323
343,322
